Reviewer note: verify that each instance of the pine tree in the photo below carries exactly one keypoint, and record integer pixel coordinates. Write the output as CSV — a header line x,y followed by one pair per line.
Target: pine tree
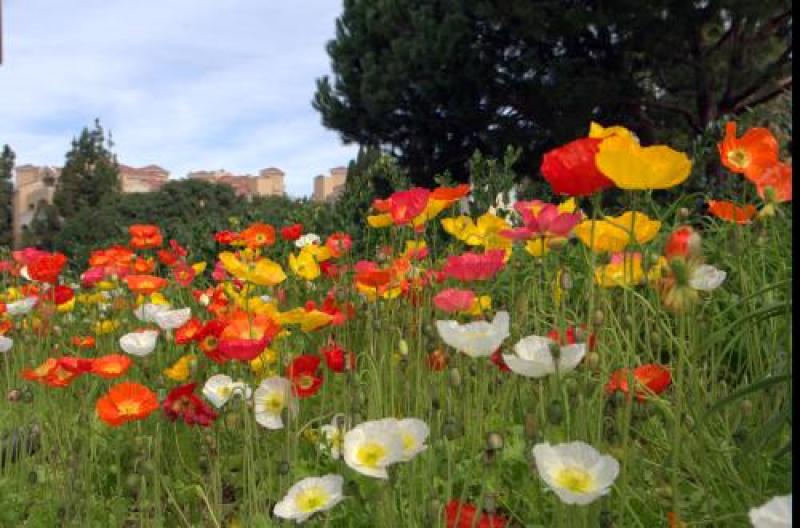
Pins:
x,y
90,173
7,158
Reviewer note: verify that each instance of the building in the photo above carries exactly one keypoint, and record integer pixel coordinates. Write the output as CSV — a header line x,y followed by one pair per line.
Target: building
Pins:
x,y
329,188
269,182
35,185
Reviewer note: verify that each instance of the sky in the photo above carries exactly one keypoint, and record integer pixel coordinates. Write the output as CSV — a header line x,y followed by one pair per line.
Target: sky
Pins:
x,y
184,84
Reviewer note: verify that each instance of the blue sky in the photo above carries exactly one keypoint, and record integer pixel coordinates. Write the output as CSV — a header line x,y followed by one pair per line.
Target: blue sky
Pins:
x,y
185,84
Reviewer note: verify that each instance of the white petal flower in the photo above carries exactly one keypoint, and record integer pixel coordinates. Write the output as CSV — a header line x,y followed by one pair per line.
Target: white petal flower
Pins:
x,y
147,312
307,240
413,433
334,436
220,388
5,344
21,307
139,343
371,447
775,513
172,319
533,357
575,471
477,339
272,396
706,278
310,495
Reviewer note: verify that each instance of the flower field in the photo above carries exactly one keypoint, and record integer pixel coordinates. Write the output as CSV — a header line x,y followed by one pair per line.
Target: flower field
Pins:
x,y
548,365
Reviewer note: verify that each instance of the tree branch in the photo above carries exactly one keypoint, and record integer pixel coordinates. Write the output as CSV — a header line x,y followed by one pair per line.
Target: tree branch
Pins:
x,y
783,85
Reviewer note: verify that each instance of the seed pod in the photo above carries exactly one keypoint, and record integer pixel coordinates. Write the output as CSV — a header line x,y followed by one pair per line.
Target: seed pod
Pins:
x,y
434,511
488,456
531,427
592,360
494,441
454,377
283,467
683,213
27,396
566,280
555,412
14,395
598,318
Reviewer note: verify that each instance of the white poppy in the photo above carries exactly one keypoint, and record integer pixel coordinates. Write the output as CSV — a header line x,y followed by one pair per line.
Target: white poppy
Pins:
x,y
5,344
533,357
413,433
272,396
307,240
334,436
775,513
139,343
575,471
172,319
706,278
147,312
310,495
21,307
477,339
370,447
220,388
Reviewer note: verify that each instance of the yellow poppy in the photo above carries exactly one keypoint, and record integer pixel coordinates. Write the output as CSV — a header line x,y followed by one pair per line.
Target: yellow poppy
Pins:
x,y
600,132
631,166
181,369
304,265
626,271
614,233
380,220
264,272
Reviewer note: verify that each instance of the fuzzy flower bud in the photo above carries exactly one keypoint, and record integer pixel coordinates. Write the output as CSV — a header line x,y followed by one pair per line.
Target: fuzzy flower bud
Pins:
x,y
683,242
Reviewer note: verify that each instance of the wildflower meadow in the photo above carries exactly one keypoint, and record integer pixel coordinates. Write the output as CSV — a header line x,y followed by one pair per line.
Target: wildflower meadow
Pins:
x,y
536,364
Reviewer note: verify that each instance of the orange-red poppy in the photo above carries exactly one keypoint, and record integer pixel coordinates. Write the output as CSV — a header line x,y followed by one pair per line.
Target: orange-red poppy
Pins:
x,y
650,379
144,265
779,178
38,373
258,235
730,212
47,267
115,256
126,402
145,236
749,154
111,366
145,284
83,341
189,331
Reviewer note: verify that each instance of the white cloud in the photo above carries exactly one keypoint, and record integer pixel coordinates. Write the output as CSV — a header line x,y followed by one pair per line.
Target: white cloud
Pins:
x,y
186,84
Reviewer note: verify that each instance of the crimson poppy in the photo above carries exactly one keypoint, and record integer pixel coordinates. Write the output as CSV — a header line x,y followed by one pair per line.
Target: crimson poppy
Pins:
x,y
182,403
570,169
302,372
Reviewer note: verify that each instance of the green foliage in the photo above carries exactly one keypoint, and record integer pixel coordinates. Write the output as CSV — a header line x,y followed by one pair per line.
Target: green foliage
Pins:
x,y
434,81
6,195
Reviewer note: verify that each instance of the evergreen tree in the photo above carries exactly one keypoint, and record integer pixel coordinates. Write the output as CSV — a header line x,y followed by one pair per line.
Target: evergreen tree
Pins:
x,y
7,158
90,174
432,81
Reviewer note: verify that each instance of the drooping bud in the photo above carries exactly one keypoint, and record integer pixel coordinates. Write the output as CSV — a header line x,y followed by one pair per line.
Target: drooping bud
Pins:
x,y
683,242
494,441
454,377
683,213
598,318
555,412
565,280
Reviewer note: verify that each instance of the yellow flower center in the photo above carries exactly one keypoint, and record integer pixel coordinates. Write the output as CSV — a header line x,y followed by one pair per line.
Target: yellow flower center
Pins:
x,y
371,454
408,442
273,403
312,499
128,407
739,157
574,479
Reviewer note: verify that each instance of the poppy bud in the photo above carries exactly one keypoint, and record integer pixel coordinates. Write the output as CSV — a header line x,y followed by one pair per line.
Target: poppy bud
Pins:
x,y
665,491
403,347
494,441
454,377
434,511
747,408
133,483
683,213
488,456
598,318
555,412
592,360
555,351
14,395
490,503
565,280
283,467
531,428
683,242
27,396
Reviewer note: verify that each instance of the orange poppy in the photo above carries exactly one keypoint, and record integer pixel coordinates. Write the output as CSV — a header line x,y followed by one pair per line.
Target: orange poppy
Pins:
x,y
777,176
5,326
258,235
83,341
749,154
126,402
111,366
145,236
189,331
730,212
115,256
40,372
145,284
143,265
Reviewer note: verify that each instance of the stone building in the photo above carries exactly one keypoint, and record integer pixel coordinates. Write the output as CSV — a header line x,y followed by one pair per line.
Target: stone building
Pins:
x,y
329,188
269,182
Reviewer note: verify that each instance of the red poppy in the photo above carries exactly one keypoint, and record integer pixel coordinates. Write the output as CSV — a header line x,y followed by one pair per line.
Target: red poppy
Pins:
x,y
183,403
459,514
258,235
404,206
339,244
189,331
749,154
75,365
437,360
126,402
497,359
183,274
570,337
47,267
649,378
83,341
779,178
111,366
292,232
330,269
730,212
683,242
59,294
471,266
454,300
226,237
144,265
145,236
61,376
7,325
570,169
245,336
337,358
167,257
208,341
302,372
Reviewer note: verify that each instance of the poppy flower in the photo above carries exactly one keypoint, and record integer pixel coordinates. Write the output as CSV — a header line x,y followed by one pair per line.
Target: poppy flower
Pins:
x,y
245,336
339,244
731,212
143,265
189,331
779,178
626,269
46,267
182,403
749,154
145,236
83,341
262,272
631,166
75,365
484,232
292,232
459,514
258,235
208,340
575,471
683,242
614,233
309,496
499,362
337,358
469,266
330,269
570,169
182,368
183,274
226,237
404,206
437,360
304,265
145,284
649,378
570,336
302,372
111,366
454,300
167,257
41,371
126,402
